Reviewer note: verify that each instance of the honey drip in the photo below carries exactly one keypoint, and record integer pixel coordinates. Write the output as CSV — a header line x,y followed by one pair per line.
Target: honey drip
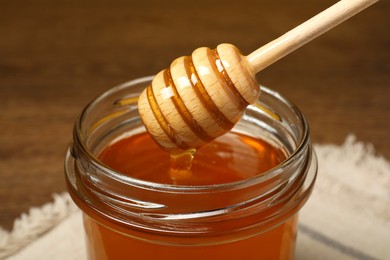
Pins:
x,y
180,165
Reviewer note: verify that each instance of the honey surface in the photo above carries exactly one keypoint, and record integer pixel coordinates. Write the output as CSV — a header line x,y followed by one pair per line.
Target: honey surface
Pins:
x,y
229,158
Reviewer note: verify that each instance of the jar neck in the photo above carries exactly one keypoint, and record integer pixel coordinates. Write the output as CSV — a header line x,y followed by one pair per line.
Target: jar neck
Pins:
x,y
259,202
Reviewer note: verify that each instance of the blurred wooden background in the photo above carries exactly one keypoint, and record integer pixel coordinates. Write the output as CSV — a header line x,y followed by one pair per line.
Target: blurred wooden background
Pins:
x,y
55,56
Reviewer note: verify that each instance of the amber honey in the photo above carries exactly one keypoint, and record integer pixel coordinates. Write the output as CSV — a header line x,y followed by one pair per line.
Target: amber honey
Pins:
x,y
236,198
104,243
230,158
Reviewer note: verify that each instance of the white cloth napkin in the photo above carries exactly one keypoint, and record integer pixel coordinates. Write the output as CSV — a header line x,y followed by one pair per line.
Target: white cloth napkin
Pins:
x,y
347,216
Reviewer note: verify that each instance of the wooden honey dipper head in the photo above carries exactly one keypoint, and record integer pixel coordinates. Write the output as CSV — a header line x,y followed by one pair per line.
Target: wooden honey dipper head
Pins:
x,y
202,96
199,98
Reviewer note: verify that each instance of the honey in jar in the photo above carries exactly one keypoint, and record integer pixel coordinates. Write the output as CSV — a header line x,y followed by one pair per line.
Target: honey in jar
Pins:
x,y
238,197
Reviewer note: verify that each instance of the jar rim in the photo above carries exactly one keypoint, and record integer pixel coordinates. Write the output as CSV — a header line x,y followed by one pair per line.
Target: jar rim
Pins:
x,y
111,173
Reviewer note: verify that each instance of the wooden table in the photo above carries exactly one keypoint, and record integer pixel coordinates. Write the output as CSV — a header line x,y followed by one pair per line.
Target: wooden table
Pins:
x,y
55,56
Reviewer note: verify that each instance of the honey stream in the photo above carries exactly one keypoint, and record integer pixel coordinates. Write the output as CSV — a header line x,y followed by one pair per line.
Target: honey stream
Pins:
x,y
180,165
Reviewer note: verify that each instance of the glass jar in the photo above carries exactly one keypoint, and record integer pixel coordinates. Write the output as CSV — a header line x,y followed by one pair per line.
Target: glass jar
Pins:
x,y
125,217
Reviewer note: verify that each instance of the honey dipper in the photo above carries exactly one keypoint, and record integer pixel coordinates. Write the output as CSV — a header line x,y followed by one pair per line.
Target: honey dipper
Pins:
x,y
202,96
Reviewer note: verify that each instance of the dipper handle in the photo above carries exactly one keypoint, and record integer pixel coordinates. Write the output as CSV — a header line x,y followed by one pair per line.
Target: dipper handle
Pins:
x,y
202,96
305,32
